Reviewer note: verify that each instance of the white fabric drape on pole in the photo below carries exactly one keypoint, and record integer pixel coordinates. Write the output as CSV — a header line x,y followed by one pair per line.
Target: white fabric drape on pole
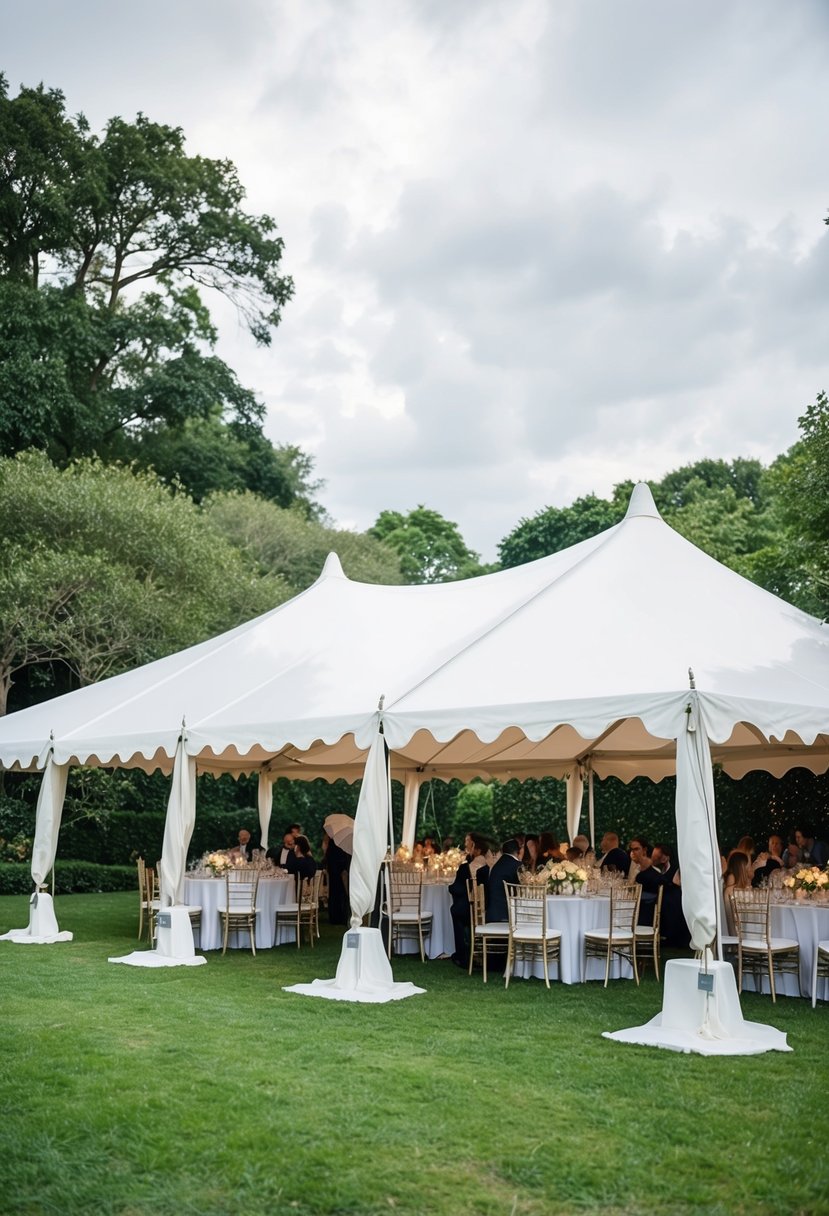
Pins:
x,y
574,781
265,804
371,826
696,836
47,823
178,827
43,926
411,794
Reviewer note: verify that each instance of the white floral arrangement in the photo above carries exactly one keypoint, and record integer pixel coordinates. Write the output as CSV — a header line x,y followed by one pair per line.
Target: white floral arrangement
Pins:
x,y
445,863
217,862
563,876
810,879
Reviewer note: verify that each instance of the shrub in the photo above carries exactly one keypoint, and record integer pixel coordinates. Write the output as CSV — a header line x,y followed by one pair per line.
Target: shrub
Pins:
x,y
71,878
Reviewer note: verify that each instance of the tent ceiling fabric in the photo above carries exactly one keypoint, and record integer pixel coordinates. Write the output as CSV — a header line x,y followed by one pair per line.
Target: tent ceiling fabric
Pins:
x,y
514,674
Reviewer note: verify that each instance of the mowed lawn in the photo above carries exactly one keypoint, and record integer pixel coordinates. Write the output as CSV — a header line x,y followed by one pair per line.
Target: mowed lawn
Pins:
x,y
210,1090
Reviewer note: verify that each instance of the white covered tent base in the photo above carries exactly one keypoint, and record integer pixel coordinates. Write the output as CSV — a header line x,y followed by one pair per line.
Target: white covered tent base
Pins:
x,y
364,974
42,929
706,1022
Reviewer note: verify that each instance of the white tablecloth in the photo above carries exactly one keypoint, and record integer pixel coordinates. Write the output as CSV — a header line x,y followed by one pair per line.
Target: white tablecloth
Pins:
x,y
807,924
435,898
573,915
208,893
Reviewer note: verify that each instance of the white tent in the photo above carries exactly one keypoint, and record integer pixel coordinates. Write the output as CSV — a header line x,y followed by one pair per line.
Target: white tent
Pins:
x,y
577,662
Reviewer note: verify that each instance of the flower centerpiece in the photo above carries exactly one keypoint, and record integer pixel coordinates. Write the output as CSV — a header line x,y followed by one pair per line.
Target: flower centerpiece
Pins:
x,y
217,863
565,877
444,865
810,880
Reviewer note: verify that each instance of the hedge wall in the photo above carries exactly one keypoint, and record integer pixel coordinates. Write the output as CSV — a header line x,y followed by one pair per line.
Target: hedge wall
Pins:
x,y
71,878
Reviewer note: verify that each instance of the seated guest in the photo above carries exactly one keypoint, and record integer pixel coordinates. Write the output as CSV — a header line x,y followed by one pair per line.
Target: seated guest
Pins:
x,y
574,854
612,857
581,843
767,862
639,851
674,930
529,857
430,846
791,856
505,870
812,852
448,843
417,851
745,845
548,849
280,853
473,868
337,863
244,849
737,877
302,862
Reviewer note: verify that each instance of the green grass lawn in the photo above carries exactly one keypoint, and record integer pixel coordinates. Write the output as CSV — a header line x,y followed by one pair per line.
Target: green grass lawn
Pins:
x,y
210,1090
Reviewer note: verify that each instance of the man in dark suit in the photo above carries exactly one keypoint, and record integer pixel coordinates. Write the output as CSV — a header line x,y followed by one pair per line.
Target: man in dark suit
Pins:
x,y
474,867
613,856
504,870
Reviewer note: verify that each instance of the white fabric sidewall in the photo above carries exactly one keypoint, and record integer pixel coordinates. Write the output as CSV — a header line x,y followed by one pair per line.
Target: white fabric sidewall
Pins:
x,y
264,800
411,795
48,816
694,816
370,832
575,793
178,827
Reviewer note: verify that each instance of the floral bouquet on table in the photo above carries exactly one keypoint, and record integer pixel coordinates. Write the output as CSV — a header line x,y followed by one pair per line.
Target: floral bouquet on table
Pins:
x,y
445,864
810,879
217,863
564,877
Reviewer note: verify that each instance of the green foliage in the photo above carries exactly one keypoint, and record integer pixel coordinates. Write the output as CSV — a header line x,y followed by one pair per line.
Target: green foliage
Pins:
x,y
106,346
530,806
71,878
105,569
555,528
286,544
474,811
431,548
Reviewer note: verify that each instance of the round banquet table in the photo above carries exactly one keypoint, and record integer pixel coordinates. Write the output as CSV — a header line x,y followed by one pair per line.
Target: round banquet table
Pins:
x,y
208,893
806,923
435,898
573,915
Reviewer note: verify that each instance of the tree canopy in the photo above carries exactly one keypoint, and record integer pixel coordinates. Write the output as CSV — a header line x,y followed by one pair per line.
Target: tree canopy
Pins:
x,y
430,547
104,569
107,243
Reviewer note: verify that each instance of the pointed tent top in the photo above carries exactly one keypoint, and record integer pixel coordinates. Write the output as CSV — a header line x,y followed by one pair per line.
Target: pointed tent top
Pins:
x,y
332,567
641,502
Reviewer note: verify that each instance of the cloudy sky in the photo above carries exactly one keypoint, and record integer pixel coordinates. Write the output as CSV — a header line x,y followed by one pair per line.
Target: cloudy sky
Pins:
x,y
539,245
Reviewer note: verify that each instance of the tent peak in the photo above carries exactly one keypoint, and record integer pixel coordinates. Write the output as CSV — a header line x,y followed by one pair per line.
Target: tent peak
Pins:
x,y
641,502
332,568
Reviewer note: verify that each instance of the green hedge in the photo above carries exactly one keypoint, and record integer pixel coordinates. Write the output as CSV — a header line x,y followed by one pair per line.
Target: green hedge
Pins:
x,y
71,878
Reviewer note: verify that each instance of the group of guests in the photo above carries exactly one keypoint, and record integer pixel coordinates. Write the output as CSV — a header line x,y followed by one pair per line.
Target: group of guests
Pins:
x,y
745,866
652,867
295,855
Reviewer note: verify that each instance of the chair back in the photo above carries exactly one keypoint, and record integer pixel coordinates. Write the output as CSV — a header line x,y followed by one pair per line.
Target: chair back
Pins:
x,y
240,890
141,868
309,893
657,912
624,908
526,908
406,891
151,884
476,893
752,914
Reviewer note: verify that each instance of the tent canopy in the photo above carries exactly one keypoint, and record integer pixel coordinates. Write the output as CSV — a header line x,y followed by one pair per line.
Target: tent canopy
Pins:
x,y
583,655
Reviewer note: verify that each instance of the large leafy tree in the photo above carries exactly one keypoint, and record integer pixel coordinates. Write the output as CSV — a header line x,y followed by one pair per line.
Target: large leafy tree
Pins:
x,y
104,569
107,244
430,547
555,528
286,544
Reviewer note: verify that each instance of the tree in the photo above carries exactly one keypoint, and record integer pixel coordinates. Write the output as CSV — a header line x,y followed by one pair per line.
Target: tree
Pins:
x,y
431,548
473,811
286,544
556,528
106,243
104,569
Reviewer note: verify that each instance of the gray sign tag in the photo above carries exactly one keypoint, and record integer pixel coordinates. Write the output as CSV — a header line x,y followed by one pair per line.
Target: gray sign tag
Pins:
x,y
705,981
165,920
352,941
